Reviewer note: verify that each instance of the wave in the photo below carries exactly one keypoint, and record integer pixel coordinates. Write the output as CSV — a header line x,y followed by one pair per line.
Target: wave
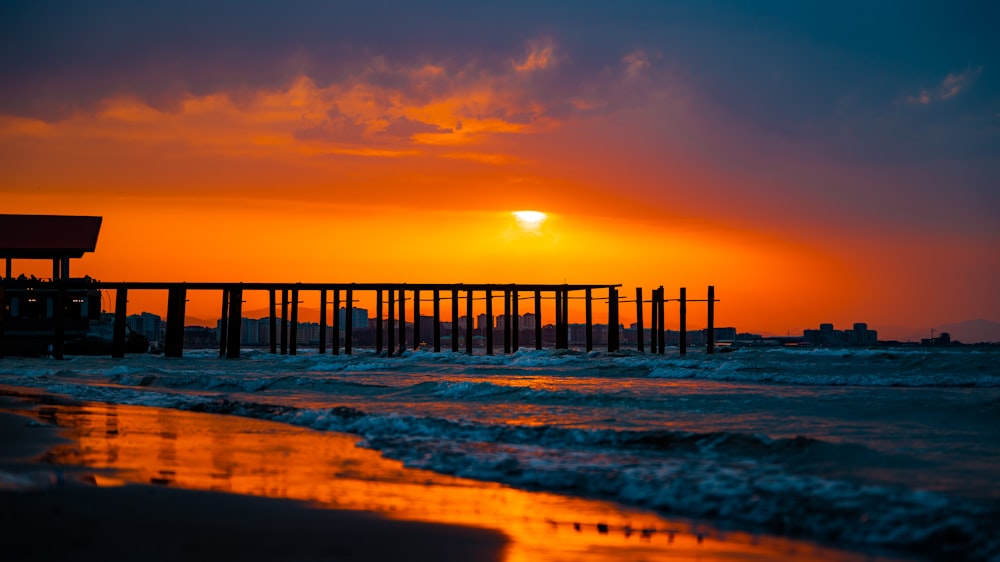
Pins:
x,y
961,367
831,367
736,477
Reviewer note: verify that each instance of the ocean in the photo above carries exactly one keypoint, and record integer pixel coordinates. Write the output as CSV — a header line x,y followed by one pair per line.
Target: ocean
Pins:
x,y
893,450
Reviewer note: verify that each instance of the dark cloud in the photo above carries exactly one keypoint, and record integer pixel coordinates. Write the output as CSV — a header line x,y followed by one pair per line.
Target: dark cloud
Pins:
x,y
337,128
839,73
405,128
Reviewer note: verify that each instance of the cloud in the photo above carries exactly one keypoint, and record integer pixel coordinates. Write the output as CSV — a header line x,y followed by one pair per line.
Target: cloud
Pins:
x,y
923,97
952,85
382,108
483,158
338,128
636,64
540,56
405,128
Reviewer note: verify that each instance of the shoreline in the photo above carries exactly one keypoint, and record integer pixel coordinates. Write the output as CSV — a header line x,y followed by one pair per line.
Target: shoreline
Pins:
x,y
330,498
63,517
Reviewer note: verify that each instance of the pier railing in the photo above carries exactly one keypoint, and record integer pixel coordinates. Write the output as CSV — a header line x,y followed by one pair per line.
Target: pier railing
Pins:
x,y
390,315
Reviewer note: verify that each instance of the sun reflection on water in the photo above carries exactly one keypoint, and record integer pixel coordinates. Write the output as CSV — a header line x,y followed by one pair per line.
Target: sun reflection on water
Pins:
x,y
247,456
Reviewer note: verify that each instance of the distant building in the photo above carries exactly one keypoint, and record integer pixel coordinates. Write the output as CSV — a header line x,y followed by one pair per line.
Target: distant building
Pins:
x,y
827,335
526,321
197,337
943,339
359,317
147,324
484,323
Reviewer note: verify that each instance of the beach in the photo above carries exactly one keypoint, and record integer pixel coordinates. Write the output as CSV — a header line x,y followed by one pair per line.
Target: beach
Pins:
x,y
124,482
60,513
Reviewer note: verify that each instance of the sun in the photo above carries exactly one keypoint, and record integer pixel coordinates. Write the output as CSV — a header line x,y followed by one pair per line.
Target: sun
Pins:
x,y
530,221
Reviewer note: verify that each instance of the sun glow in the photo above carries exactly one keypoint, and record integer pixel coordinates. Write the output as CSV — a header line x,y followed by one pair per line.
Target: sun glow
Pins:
x,y
530,221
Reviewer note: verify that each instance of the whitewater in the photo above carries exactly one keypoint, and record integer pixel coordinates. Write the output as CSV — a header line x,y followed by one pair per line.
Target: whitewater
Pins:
x,y
878,450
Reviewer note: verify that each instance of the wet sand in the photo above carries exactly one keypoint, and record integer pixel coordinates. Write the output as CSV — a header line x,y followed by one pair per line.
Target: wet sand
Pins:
x,y
152,483
66,518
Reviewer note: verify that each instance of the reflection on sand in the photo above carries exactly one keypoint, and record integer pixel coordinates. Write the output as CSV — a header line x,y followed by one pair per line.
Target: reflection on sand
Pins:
x,y
247,456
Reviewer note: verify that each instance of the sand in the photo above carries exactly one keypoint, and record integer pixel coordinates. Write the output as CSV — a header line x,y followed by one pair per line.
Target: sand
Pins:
x,y
201,486
65,518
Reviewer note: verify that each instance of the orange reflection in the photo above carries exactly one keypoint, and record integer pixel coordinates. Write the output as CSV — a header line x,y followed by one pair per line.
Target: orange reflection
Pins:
x,y
247,456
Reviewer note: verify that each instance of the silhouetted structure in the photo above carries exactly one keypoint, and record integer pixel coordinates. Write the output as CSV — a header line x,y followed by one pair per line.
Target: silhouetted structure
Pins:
x,y
40,317
61,238
828,336
282,331
47,237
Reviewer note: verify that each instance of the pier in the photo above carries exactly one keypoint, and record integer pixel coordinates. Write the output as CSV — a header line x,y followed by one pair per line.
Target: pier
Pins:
x,y
392,301
51,312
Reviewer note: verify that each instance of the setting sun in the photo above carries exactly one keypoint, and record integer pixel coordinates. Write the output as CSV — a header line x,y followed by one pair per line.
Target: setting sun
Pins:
x,y
530,221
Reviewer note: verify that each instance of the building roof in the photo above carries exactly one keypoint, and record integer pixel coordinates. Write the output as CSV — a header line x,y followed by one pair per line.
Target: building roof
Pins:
x,y
47,236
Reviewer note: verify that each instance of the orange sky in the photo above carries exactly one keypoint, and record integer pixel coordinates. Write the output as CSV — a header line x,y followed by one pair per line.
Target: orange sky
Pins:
x,y
644,180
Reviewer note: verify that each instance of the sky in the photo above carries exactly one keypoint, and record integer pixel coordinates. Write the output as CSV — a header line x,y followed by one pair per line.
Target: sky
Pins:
x,y
815,162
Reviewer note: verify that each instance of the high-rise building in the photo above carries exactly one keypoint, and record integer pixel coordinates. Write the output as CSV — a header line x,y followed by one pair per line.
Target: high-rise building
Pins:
x,y
359,317
249,334
526,321
826,335
484,322
147,324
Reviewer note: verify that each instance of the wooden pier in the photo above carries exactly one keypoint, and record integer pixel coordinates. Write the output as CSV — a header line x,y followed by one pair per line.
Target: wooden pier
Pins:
x,y
51,312
390,314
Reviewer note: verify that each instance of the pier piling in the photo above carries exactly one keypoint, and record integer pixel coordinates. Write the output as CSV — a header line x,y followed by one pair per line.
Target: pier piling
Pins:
x,y
437,320
710,332
118,329
378,321
640,330
391,328
653,322
348,322
454,321
613,334
538,319
322,322
235,323
293,326
224,323
661,329
272,328
683,326
559,319
489,322
416,319
402,320
284,321
176,300
335,344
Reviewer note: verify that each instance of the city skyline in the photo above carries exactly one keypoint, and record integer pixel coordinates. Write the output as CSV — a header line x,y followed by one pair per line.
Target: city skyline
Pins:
x,y
970,333
255,330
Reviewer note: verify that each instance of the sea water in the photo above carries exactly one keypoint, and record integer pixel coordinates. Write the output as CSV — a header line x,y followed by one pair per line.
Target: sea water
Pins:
x,y
883,449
